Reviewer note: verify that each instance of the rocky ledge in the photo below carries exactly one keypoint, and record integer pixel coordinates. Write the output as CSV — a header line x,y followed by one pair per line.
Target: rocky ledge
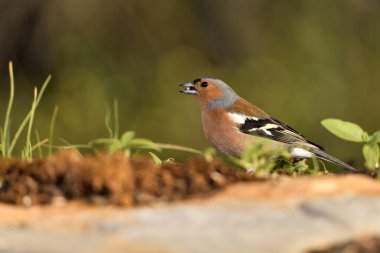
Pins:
x,y
320,214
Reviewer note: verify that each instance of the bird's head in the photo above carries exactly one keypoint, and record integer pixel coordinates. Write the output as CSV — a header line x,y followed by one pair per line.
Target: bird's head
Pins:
x,y
211,92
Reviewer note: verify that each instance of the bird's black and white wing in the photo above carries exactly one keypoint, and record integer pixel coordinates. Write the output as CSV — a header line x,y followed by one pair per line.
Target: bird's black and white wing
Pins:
x,y
272,129
276,130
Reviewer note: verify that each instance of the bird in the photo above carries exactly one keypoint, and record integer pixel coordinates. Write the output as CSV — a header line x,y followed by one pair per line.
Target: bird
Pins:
x,y
230,123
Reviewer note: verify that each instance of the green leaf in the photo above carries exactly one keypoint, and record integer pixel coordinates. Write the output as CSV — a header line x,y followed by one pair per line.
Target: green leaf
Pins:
x,y
375,138
127,137
155,158
115,146
345,130
371,155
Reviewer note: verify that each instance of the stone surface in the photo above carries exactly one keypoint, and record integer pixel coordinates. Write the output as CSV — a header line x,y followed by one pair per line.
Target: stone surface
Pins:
x,y
286,215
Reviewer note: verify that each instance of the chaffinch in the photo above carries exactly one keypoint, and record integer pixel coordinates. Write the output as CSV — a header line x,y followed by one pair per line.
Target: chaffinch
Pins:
x,y
231,122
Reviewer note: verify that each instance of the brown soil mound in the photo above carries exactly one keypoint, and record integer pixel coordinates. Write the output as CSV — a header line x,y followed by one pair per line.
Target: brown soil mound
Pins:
x,y
112,179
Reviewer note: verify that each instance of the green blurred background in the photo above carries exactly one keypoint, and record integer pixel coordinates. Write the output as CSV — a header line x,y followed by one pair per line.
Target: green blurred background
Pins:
x,y
302,61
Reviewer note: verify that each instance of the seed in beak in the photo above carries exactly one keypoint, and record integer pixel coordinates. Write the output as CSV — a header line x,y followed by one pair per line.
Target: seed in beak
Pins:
x,y
188,88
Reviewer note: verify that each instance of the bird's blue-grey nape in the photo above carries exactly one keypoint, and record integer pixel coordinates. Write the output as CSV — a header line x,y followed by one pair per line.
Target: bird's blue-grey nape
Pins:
x,y
229,96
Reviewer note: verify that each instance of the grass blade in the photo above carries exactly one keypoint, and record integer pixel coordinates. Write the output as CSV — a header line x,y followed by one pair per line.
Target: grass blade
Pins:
x,y
26,119
40,143
6,129
28,144
51,130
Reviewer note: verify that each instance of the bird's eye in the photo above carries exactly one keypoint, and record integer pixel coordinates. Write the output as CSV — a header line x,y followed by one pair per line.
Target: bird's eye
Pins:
x,y
204,84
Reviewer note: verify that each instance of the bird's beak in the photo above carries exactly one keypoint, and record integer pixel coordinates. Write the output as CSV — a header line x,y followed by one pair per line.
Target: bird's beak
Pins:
x,y
189,88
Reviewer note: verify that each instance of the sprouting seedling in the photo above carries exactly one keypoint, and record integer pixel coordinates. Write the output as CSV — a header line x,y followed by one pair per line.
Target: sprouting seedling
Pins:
x,y
126,143
352,132
157,160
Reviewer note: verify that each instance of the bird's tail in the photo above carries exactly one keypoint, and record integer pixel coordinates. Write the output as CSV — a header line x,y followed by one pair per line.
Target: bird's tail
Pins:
x,y
324,156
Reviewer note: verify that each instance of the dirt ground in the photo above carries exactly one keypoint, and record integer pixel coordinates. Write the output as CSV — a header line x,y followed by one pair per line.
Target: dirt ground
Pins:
x,y
115,179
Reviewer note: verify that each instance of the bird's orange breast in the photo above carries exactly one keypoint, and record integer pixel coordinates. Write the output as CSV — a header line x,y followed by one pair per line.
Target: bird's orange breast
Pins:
x,y
223,133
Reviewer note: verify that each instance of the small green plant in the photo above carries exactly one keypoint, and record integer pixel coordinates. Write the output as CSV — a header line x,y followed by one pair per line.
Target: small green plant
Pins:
x,y
8,141
127,143
265,160
131,145
352,132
